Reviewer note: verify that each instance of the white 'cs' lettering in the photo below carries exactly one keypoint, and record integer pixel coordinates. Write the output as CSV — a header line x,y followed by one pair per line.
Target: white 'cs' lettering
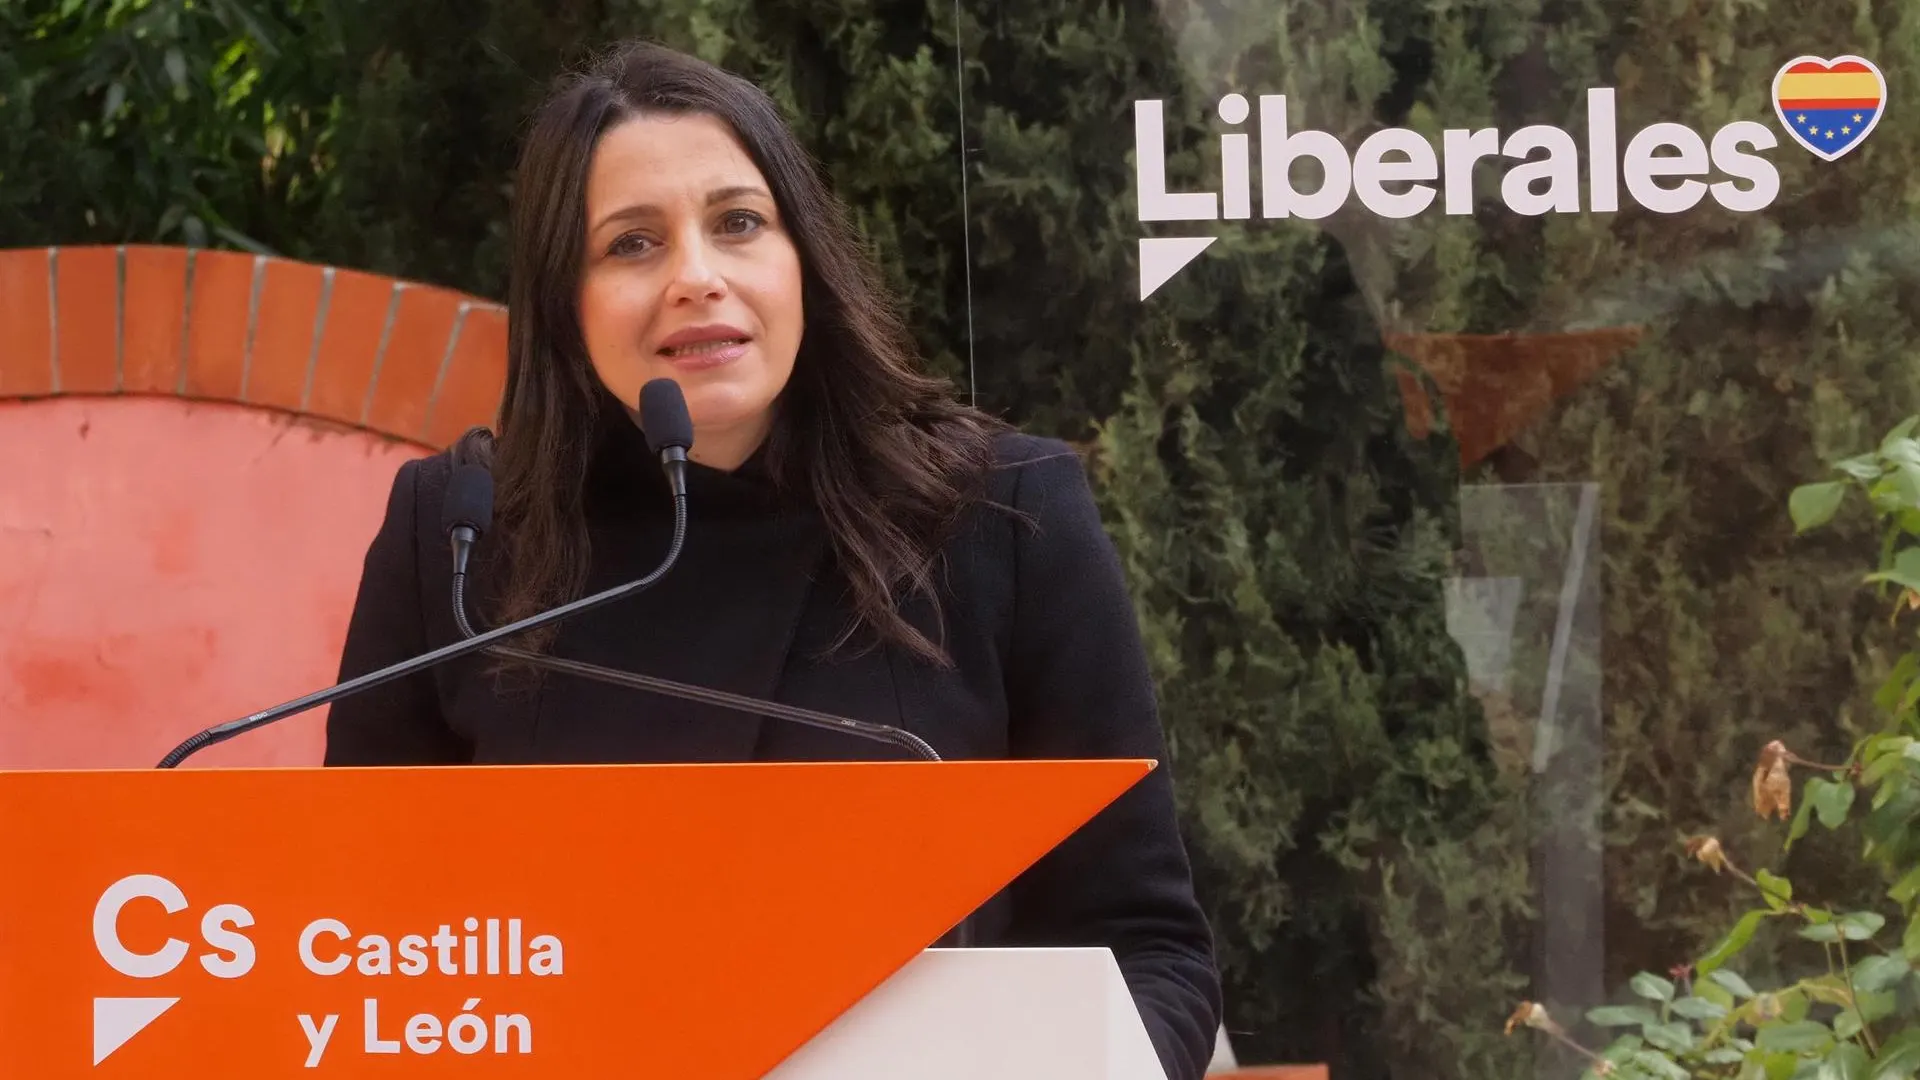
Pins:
x,y
233,952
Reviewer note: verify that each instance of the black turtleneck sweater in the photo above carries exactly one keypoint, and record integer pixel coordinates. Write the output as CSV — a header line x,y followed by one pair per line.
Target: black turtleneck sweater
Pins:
x,y
1047,663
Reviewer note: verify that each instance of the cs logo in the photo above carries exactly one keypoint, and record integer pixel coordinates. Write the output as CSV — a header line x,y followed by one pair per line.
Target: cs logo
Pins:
x,y
117,1019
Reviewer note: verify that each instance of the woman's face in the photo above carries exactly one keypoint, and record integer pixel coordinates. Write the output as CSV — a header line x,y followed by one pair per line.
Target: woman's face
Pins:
x,y
690,275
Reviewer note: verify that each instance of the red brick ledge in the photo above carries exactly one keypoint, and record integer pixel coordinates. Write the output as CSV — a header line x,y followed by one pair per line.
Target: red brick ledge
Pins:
x,y
410,361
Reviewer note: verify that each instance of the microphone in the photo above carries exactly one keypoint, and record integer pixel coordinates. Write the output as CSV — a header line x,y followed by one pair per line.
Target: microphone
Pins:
x,y
667,393
664,419
464,517
468,514
467,511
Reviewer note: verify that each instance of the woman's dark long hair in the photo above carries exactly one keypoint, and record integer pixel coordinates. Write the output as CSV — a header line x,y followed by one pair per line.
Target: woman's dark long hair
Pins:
x,y
885,454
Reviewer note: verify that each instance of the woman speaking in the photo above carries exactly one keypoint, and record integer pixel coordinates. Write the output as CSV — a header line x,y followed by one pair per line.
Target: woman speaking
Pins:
x,y
858,542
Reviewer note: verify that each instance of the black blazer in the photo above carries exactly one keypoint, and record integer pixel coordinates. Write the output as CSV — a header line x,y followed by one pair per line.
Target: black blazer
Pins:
x,y
1048,662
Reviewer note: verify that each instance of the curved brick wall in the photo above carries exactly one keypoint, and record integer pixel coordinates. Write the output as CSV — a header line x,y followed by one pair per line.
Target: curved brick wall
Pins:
x,y
196,448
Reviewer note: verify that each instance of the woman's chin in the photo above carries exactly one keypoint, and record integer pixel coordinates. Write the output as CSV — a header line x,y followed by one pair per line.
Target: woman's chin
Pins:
x,y
718,409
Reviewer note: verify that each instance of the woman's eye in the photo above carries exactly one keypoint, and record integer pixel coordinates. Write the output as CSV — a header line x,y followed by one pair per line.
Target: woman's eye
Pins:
x,y
741,221
630,244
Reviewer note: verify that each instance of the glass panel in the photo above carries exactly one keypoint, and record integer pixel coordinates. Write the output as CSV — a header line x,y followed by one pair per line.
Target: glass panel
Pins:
x,y
1445,372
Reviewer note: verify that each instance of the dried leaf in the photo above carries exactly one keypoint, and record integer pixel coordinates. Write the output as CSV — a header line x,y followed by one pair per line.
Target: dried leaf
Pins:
x,y
1772,786
1707,849
1529,1014
1908,600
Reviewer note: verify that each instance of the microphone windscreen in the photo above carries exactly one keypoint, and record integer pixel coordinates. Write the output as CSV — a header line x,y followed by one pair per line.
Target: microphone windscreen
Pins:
x,y
663,416
469,499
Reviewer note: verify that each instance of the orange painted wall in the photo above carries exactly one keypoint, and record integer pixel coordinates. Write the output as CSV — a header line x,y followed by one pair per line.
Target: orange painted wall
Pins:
x,y
166,565
195,448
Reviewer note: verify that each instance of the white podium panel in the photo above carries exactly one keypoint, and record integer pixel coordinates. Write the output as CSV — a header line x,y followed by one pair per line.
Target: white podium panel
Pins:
x,y
1009,1014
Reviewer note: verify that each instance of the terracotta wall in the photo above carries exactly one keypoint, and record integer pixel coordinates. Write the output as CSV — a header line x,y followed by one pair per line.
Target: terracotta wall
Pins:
x,y
194,450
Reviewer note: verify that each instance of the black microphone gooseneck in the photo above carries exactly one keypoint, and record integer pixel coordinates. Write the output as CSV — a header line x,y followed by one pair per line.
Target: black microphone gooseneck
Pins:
x,y
468,512
667,401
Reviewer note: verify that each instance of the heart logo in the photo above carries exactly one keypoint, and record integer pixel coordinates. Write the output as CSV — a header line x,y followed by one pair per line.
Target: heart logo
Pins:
x,y
1829,106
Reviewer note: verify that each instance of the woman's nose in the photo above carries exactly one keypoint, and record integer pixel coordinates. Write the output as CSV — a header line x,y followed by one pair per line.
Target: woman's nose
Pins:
x,y
694,273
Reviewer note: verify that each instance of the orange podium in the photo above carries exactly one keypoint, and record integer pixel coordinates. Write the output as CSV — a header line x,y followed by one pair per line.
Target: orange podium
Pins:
x,y
538,921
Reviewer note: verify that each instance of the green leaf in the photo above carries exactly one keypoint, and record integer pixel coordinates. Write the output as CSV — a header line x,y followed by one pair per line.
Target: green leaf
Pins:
x,y
1827,932
1908,887
1885,757
1882,753
1714,992
1622,1016
1778,1066
1847,1024
1652,986
1802,819
1861,925
1888,696
1698,1008
1903,429
1879,972
1861,467
1900,489
1906,565
1888,827
1795,1037
1620,1052
1845,1061
1831,800
116,97
1899,1057
1901,451
1829,989
1777,890
1813,505
1658,1065
1737,939
1878,1005
1725,1055
1732,982
1677,1038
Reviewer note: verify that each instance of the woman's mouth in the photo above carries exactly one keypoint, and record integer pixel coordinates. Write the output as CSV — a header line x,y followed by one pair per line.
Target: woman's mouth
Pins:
x,y
703,348
707,353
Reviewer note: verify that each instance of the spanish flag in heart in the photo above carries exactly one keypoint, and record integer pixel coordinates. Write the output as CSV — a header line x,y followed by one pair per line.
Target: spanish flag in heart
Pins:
x,y
1829,106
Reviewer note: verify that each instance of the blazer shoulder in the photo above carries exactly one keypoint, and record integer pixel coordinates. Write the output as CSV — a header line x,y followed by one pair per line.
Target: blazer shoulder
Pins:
x,y
1028,466
410,525
431,473
1013,449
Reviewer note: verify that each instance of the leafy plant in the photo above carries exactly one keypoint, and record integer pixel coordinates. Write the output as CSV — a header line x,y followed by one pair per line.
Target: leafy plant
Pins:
x,y
1854,1017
